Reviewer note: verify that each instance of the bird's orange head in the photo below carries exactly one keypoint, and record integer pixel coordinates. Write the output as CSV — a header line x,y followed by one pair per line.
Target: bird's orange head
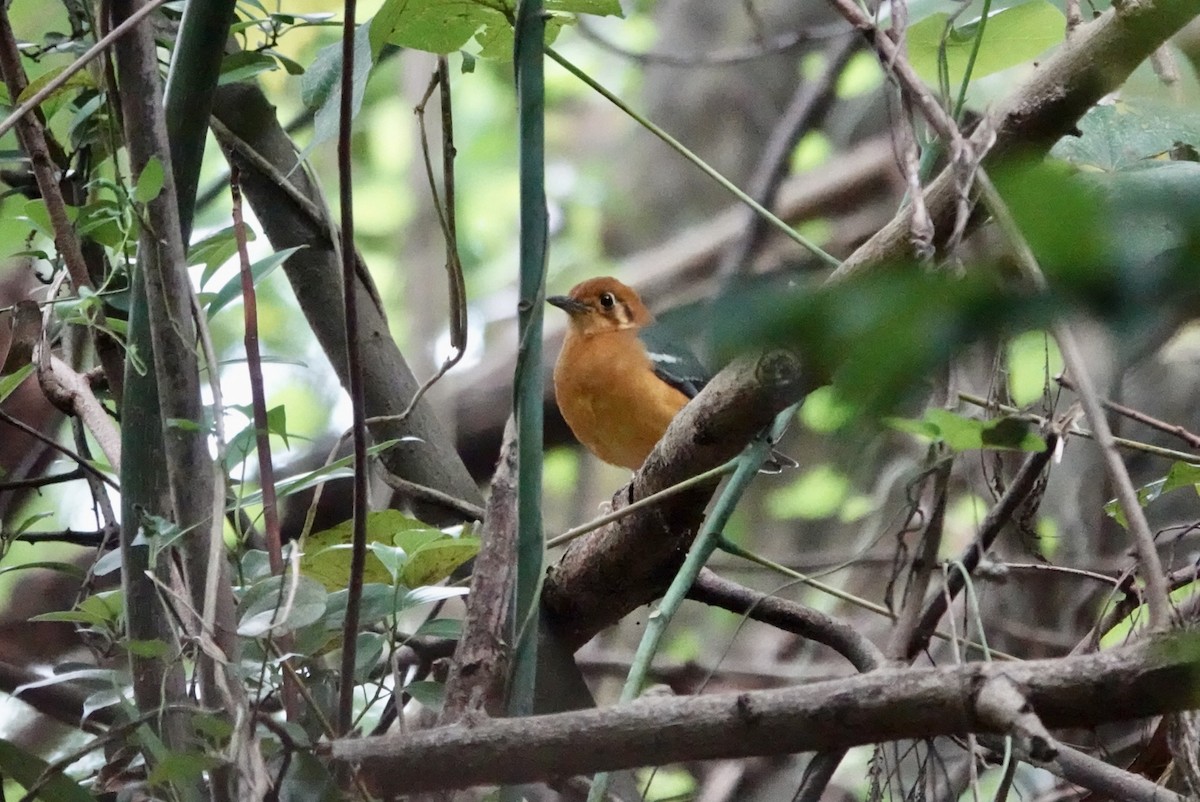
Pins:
x,y
603,304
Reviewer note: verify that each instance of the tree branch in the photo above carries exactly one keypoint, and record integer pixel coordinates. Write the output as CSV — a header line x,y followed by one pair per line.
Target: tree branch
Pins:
x,y
1153,677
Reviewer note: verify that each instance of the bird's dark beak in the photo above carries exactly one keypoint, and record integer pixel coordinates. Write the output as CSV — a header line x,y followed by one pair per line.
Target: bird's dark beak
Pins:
x,y
567,304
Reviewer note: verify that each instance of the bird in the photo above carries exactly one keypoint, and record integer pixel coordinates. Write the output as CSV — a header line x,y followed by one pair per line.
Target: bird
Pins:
x,y
619,379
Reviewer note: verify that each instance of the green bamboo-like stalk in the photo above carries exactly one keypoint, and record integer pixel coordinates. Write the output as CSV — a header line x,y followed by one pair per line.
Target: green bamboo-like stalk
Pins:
x,y
708,541
529,70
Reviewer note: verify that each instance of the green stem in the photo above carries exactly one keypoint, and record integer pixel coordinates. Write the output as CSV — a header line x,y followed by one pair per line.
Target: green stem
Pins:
x,y
615,515
708,541
682,150
528,63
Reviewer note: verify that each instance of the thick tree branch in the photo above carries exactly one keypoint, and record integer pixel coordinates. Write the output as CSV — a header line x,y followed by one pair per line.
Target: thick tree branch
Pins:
x,y
1153,677
610,572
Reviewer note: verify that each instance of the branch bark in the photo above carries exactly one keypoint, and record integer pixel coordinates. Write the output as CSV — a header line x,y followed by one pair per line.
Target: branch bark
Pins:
x,y
1150,678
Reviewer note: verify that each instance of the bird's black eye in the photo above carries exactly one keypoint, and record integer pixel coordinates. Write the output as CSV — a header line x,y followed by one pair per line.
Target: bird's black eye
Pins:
x,y
607,300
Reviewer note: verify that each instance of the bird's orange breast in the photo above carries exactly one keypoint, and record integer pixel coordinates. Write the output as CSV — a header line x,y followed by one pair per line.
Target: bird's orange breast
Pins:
x,y
611,398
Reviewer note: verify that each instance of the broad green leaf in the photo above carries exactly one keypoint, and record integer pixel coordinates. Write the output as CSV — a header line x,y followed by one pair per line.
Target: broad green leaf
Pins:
x,y
105,697
327,553
958,432
327,559
1121,135
377,603
368,649
80,79
1182,474
435,561
1012,434
274,605
259,270
149,182
215,250
443,26
1011,36
243,65
321,87
428,594
27,768
429,693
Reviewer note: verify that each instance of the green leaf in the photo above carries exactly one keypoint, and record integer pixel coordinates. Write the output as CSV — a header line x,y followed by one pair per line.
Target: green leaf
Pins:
x,y
1122,135
338,469
327,553
67,568
429,693
430,593
27,768
80,79
435,561
1012,434
9,383
243,65
1011,36
270,606
148,648
377,603
180,768
1032,359
450,628
259,270
215,250
443,26
321,85
149,182
1182,474
368,649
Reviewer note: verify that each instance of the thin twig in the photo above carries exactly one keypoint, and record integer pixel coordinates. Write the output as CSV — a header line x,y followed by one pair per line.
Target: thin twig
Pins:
x,y
776,45
446,218
809,104
707,169
1158,601
358,544
1020,488
1132,445
41,481
615,515
266,470
1173,429
82,463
